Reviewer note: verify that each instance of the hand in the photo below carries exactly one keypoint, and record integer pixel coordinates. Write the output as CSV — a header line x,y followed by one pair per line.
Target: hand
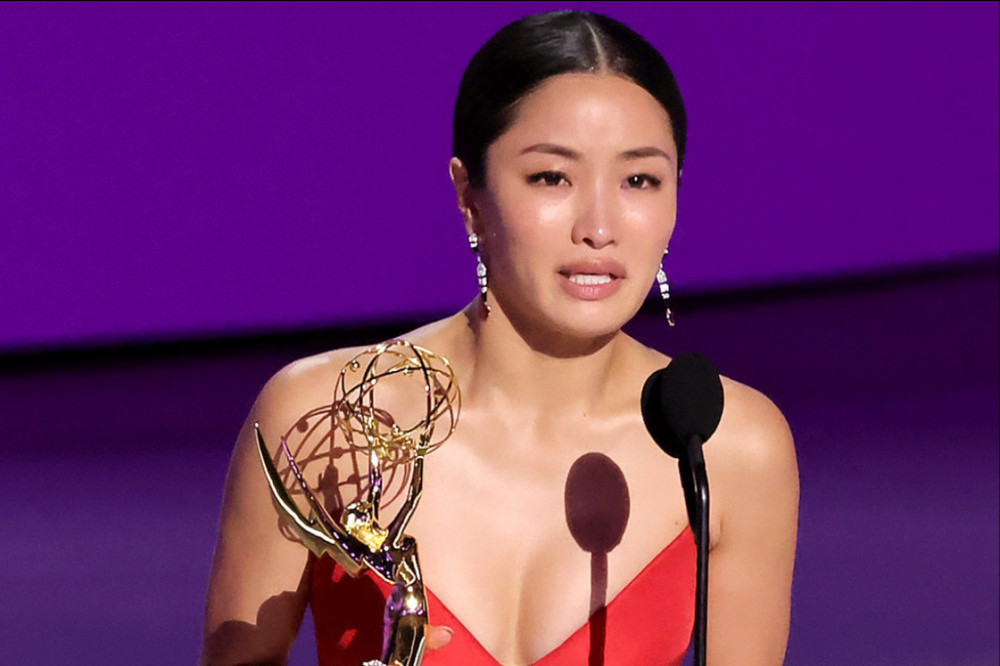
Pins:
x,y
438,636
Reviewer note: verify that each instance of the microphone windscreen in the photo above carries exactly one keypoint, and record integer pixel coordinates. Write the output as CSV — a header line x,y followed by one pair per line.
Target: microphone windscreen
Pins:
x,y
683,399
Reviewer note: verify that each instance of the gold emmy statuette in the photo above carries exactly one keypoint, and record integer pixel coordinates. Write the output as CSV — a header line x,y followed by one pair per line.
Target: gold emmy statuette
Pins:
x,y
374,412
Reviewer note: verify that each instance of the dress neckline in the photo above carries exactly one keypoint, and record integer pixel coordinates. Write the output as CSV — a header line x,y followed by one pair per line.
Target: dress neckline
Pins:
x,y
458,625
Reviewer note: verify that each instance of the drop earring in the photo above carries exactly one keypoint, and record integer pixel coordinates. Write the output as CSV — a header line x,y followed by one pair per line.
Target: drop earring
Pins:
x,y
480,275
661,280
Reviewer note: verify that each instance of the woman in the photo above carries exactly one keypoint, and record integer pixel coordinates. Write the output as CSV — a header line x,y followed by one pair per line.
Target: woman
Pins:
x,y
569,137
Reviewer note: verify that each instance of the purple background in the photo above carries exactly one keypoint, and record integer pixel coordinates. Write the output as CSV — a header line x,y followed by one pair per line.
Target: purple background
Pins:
x,y
177,170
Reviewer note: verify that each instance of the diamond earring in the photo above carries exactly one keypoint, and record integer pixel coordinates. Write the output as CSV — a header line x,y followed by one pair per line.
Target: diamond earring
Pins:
x,y
480,275
661,280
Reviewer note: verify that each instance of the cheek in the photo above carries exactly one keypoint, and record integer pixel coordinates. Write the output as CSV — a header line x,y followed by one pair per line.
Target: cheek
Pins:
x,y
523,220
651,229
653,220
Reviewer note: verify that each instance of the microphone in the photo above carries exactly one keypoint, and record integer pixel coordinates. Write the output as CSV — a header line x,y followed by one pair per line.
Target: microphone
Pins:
x,y
682,400
681,406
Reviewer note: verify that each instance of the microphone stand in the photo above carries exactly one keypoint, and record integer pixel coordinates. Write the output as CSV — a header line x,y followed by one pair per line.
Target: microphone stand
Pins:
x,y
694,480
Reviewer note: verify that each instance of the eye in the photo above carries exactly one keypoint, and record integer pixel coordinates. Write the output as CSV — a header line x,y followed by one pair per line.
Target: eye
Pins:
x,y
643,181
548,178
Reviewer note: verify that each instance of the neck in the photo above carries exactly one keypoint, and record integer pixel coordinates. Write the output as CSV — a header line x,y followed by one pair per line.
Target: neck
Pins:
x,y
538,373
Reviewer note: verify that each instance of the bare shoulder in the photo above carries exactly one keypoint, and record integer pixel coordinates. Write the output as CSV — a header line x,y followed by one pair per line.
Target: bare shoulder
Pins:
x,y
753,431
309,383
754,527
753,470
306,376
300,386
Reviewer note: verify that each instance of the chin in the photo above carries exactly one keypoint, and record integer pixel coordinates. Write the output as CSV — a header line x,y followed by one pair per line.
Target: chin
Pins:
x,y
572,322
592,323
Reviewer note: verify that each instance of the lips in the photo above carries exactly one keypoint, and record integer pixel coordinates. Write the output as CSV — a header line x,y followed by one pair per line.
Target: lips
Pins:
x,y
599,268
593,279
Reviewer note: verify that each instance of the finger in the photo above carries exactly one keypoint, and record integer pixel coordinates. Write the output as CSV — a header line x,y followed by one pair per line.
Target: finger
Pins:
x,y
438,637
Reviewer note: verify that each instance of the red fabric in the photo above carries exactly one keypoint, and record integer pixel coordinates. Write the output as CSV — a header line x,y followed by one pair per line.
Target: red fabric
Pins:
x,y
649,622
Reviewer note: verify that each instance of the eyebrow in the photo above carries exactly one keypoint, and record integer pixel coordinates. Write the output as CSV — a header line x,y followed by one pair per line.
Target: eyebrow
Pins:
x,y
648,151
569,153
552,149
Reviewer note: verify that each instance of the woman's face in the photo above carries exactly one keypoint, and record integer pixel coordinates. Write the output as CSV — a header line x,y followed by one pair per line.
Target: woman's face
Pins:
x,y
579,204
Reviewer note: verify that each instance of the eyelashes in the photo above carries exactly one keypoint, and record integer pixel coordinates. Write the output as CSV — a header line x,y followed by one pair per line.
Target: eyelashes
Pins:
x,y
549,178
643,181
638,181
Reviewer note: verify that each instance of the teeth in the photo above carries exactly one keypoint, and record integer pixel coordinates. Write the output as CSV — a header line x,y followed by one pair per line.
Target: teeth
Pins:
x,y
584,279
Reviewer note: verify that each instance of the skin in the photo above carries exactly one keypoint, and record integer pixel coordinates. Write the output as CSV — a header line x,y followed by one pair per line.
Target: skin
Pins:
x,y
586,173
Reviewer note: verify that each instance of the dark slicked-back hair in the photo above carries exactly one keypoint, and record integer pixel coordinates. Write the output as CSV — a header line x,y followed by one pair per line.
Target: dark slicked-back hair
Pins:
x,y
520,57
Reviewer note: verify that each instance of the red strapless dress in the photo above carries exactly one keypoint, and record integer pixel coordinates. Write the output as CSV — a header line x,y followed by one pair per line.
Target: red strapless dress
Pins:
x,y
648,623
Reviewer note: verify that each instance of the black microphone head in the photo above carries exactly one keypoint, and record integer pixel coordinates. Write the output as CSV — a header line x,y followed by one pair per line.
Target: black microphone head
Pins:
x,y
656,419
683,399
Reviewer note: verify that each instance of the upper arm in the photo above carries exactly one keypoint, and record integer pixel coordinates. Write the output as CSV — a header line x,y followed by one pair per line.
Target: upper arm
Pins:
x,y
755,489
258,588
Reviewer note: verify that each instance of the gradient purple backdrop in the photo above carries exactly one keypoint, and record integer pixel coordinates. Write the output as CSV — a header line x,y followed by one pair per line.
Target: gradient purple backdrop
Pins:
x,y
176,170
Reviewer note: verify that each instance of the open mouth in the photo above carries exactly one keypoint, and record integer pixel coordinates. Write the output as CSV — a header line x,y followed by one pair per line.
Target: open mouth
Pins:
x,y
589,279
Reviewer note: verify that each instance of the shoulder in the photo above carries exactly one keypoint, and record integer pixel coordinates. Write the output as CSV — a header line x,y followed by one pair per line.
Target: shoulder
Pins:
x,y
299,396
752,466
303,383
754,528
753,429
308,383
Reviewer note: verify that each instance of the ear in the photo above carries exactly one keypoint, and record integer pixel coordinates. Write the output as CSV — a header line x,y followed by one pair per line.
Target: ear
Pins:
x,y
464,192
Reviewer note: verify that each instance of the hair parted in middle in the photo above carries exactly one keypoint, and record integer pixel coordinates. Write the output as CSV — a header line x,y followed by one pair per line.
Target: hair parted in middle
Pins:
x,y
523,54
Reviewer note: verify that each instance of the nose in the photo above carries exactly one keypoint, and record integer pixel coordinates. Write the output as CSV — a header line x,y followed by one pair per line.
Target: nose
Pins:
x,y
596,219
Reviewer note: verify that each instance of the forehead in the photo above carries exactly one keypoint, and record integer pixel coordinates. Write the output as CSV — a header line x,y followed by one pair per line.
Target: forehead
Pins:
x,y
596,109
